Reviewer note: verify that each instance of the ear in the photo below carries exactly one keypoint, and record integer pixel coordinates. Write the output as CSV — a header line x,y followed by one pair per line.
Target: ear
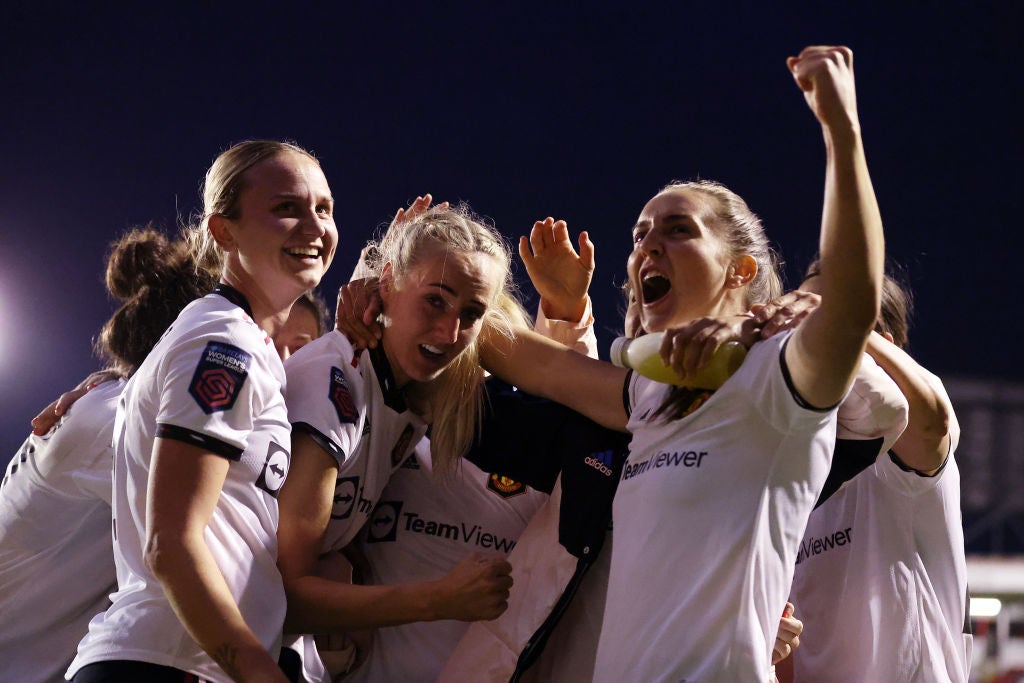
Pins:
x,y
386,285
222,230
741,272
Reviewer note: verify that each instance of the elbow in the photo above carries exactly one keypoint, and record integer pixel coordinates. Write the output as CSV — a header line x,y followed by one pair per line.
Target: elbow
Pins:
x,y
156,555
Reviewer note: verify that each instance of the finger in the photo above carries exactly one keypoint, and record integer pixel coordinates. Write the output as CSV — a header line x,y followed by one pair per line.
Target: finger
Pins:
x,y
560,233
525,252
45,420
787,611
537,237
586,251
68,398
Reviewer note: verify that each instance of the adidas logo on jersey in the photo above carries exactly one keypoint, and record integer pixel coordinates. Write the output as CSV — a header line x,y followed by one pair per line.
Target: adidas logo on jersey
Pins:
x,y
602,462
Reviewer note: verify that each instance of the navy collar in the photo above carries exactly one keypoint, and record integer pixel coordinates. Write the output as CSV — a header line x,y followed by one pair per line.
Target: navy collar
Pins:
x,y
235,297
389,389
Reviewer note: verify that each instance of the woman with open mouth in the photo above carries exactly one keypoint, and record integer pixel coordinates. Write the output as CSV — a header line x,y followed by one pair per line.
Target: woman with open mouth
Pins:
x,y
201,445
357,415
718,486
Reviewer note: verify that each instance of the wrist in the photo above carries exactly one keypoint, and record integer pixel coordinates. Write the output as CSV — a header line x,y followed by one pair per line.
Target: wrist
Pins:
x,y
568,311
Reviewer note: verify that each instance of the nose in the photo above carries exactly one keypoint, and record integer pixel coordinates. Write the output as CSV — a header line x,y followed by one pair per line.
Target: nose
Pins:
x,y
312,224
447,327
650,243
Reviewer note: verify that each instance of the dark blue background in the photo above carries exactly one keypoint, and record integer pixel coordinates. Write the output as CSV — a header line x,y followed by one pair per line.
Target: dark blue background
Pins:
x,y
110,115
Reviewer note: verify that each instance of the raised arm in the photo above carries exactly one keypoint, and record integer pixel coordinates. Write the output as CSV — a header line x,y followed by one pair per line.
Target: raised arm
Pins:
x,y
925,443
561,277
823,354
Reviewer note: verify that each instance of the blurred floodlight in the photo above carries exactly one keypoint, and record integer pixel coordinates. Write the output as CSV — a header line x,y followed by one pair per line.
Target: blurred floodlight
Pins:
x,y
985,607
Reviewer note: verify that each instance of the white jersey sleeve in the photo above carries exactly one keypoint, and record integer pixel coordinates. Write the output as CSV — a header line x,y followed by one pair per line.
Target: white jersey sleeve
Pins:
x,y
326,394
874,408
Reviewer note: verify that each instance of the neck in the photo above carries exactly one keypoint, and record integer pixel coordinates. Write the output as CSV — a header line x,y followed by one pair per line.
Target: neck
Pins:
x,y
269,313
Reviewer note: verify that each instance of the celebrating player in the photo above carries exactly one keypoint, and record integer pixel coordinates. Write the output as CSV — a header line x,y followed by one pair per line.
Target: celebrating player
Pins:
x,y
713,502
357,416
202,440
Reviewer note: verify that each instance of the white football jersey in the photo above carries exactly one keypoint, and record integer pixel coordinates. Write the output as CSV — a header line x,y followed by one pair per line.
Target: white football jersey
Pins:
x,y
354,410
707,522
213,380
421,528
881,578
56,557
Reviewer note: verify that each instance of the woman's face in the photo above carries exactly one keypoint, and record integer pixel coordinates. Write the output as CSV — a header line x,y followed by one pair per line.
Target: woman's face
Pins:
x,y
436,310
679,264
284,236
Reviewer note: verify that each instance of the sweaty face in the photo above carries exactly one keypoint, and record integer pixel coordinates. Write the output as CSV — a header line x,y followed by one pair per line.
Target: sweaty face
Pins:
x,y
299,329
436,310
285,234
679,264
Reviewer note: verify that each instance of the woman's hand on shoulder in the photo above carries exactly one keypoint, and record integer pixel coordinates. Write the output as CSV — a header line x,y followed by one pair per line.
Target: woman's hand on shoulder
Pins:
x,y
785,312
560,275
48,416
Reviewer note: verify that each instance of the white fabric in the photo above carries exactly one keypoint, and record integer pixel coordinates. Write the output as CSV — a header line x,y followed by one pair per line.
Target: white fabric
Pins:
x,y
881,579
369,443
708,519
874,407
56,558
242,532
422,527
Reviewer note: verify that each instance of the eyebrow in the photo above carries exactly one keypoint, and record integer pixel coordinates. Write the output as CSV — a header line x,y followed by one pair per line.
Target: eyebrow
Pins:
x,y
681,217
293,195
441,285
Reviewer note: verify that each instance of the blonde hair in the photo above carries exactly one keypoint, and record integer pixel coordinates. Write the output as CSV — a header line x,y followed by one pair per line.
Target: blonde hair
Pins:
x,y
455,397
221,191
743,232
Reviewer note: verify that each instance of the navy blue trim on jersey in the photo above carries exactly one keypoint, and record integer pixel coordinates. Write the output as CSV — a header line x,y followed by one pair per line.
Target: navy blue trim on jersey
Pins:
x,y
204,441
850,457
907,468
539,640
533,440
800,400
393,397
234,296
322,440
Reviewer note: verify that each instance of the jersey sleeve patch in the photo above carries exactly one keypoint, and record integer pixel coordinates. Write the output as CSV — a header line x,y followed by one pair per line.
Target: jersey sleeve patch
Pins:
x,y
506,487
219,377
341,398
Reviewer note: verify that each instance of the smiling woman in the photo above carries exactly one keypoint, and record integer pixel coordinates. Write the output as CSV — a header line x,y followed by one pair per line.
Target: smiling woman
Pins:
x,y
356,416
202,439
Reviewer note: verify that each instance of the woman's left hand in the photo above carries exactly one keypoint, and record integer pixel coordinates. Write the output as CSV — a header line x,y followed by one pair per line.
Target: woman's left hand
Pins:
x,y
784,313
559,274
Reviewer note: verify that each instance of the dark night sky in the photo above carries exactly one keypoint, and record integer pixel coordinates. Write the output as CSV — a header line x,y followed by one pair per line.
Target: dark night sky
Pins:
x,y
109,118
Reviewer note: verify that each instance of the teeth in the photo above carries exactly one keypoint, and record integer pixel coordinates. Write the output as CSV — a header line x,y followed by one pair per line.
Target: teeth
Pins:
x,y
431,349
304,251
649,274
